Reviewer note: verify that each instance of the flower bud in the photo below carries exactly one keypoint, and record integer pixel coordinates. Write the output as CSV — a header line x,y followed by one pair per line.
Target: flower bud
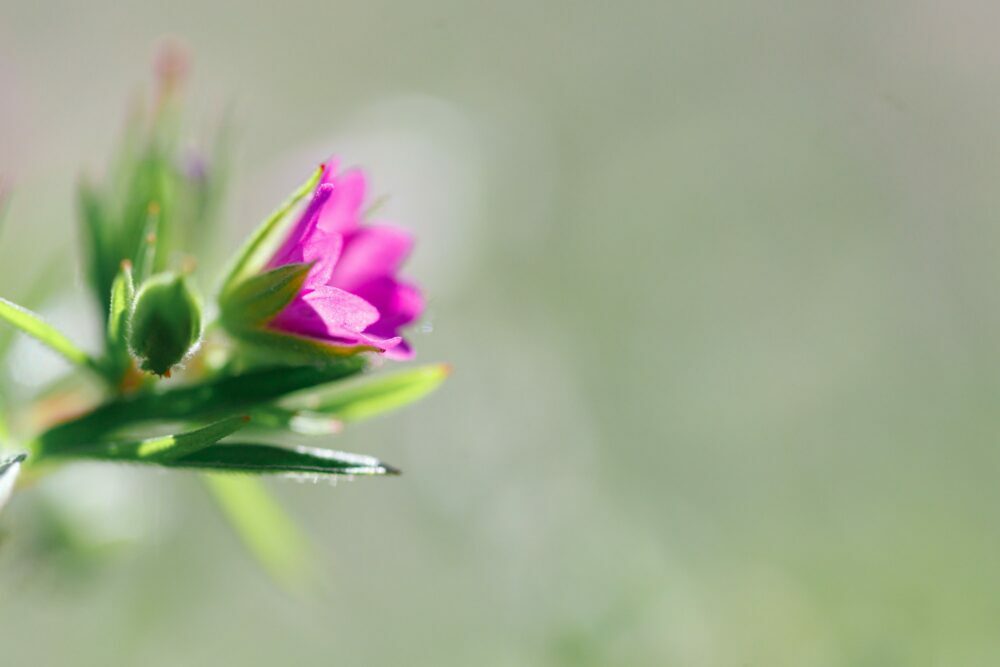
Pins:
x,y
166,323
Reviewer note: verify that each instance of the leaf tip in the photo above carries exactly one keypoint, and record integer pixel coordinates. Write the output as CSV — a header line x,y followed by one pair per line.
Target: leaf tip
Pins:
x,y
390,470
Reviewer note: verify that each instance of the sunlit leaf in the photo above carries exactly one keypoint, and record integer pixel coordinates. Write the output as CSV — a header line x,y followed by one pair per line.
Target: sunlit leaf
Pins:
x,y
304,422
162,449
32,324
373,396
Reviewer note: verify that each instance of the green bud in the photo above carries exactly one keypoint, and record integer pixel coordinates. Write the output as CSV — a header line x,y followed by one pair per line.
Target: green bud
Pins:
x,y
165,324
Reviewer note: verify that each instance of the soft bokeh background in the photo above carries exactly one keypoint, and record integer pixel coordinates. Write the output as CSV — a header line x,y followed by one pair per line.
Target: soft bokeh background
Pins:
x,y
719,282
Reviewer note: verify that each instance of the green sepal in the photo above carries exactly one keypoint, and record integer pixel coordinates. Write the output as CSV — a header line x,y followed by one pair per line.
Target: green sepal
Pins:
x,y
122,294
248,258
290,348
259,298
116,339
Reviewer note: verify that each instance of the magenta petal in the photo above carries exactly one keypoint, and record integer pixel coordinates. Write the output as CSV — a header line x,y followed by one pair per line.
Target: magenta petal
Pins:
x,y
351,297
398,304
369,253
342,212
340,308
323,251
326,311
290,251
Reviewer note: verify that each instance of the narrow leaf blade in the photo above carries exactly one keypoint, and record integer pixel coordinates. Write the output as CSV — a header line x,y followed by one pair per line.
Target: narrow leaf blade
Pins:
x,y
381,394
32,324
270,459
162,449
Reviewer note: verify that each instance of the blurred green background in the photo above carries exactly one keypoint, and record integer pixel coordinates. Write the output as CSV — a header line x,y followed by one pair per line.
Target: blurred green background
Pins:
x,y
719,284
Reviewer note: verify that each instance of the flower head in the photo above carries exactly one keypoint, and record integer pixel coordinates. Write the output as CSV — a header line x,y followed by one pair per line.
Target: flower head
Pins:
x,y
352,296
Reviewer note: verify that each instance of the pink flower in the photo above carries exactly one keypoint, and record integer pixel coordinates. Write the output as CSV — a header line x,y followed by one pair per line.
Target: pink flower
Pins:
x,y
352,296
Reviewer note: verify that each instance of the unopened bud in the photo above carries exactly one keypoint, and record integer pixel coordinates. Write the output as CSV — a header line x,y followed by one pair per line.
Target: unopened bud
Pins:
x,y
165,324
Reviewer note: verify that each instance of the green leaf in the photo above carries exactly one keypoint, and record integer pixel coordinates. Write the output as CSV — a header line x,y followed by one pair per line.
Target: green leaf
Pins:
x,y
33,325
198,450
297,349
163,449
266,530
323,414
10,468
221,396
372,397
244,260
271,459
303,422
259,298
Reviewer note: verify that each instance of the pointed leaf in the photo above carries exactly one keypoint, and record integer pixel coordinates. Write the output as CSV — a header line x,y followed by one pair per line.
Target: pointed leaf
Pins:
x,y
177,446
162,449
374,396
270,459
33,325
